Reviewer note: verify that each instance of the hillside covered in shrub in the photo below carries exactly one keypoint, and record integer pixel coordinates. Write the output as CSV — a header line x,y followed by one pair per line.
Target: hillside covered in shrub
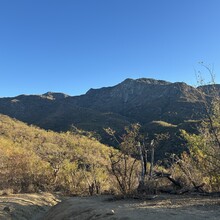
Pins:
x,y
32,160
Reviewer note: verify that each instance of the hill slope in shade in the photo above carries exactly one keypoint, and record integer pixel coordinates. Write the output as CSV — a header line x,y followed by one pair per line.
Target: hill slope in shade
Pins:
x,y
141,100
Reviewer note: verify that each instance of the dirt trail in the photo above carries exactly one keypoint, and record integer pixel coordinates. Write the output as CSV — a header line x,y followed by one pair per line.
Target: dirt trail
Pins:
x,y
163,207
26,206
172,207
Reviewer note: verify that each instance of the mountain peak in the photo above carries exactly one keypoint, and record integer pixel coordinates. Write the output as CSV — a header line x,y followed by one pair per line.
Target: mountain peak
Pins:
x,y
129,84
146,81
54,95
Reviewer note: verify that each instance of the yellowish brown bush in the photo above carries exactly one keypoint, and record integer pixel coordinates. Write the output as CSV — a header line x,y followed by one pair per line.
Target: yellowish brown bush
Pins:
x,y
32,159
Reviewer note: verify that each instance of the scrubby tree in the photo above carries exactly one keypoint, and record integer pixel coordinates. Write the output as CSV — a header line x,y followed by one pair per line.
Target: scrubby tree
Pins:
x,y
200,166
133,165
123,163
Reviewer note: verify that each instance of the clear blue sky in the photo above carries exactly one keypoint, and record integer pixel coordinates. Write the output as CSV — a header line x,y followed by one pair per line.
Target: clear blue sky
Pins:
x,y
72,45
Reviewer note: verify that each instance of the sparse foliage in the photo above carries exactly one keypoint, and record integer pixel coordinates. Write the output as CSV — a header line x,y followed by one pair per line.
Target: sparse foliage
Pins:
x,y
123,164
201,165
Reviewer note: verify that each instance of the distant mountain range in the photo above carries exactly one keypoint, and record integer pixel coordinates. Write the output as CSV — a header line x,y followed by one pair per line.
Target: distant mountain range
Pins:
x,y
147,101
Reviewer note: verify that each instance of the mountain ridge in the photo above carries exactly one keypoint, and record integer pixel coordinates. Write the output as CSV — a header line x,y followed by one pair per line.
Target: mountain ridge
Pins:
x,y
141,100
159,106
140,94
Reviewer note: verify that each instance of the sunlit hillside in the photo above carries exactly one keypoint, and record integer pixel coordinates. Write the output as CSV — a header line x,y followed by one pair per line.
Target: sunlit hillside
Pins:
x,y
33,159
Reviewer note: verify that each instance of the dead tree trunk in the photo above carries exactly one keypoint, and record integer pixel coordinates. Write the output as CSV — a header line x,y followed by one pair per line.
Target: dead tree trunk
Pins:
x,y
142,163
152,159
145,160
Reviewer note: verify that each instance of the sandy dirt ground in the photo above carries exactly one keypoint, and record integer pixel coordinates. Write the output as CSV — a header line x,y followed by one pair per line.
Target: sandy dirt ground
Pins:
x,y
163,207
26,206
46,206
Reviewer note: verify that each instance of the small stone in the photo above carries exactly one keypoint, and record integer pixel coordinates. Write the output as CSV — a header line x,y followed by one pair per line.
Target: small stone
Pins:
x,y
112,212
151,197
6,209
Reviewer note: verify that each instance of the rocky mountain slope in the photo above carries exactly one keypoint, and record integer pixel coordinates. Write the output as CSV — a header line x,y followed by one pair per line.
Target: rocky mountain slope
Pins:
x,y
145,100
141,100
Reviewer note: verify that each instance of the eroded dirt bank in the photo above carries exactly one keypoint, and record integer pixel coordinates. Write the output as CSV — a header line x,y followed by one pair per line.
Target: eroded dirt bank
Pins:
x,y
163,207
43,207
26,206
